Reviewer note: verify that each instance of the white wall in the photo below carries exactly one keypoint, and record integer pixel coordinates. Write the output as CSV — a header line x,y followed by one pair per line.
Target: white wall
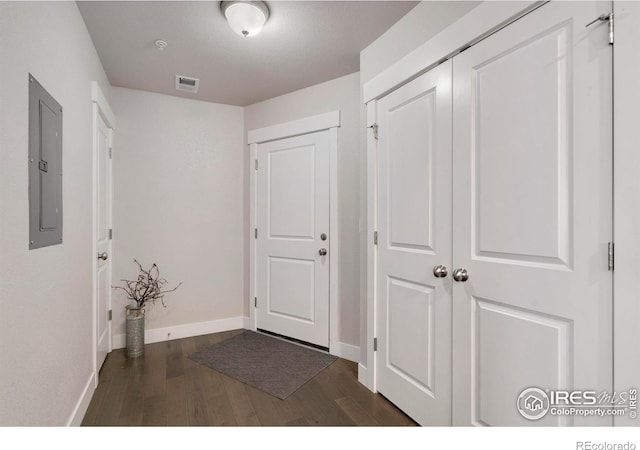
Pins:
x,y
410,32
178,202
417,26
339,94
46,319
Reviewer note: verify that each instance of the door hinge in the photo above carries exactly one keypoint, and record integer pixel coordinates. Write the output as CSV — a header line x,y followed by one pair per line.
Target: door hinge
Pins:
x,y
375,238
610,257
255,302
256,164
611,29
608,18
375,344
110,234
374,127
110,153
110,314
255,233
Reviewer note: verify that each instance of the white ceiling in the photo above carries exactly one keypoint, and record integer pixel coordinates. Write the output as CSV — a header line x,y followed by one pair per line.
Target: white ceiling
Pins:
x,y
303,43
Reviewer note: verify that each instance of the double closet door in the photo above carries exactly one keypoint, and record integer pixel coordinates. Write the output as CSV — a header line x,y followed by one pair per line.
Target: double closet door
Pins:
x,y
494,214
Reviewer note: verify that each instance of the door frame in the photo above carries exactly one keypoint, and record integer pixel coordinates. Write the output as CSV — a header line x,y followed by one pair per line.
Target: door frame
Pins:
x,y
328,121
100,107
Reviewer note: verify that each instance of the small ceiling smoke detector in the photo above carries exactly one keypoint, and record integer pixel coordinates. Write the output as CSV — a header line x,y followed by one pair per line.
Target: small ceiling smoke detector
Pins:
x,y
161,44
245,18
187,84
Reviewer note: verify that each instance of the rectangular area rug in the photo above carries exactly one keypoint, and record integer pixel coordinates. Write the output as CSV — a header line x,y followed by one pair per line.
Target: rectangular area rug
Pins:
x,y
272,365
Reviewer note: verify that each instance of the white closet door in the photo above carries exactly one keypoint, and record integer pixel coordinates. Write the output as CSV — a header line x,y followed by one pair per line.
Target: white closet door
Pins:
x,y
532,214
414,236
293,227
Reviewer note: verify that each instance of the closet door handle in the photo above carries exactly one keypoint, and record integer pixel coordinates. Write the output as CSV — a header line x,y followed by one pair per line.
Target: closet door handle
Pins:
x,y
440,271
461,275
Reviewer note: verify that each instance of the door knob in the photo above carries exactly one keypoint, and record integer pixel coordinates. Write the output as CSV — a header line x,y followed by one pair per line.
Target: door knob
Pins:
x,y
322,251
440,271
460,274
103,256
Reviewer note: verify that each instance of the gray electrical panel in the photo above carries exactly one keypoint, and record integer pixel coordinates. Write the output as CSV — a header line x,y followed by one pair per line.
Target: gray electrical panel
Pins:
x,y
45,167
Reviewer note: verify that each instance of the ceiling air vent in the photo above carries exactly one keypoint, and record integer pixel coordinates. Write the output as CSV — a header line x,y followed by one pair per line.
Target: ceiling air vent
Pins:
x,y
187,84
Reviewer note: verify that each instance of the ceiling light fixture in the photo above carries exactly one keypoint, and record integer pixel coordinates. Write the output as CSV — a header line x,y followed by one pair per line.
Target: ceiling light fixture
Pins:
x,y
161,44
245,18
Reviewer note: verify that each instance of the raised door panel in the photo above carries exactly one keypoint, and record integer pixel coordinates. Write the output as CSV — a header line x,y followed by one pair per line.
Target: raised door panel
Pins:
x,y
504,359
291,292
410,177
103,187
522,177
410,333
291,195
103,293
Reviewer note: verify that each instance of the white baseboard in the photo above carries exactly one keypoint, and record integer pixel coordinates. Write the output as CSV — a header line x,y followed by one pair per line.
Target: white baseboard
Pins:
x,y
184,331
362,374
346,351
341,349
83,402
363,377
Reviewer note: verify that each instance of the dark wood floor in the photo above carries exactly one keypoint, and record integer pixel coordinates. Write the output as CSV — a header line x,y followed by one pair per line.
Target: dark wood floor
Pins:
x,y
166,388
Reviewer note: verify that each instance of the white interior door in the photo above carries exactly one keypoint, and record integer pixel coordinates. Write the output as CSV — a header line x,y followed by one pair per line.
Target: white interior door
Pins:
x,y
532,214
103,239
414,237
292,260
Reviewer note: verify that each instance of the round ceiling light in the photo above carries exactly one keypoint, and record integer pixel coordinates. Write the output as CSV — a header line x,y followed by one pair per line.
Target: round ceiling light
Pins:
x,y
245,18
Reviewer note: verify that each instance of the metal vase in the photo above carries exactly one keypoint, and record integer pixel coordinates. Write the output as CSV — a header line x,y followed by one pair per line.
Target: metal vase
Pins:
x,y
135,331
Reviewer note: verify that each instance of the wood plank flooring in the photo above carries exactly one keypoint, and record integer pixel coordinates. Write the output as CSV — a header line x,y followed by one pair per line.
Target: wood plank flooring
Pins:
x,y
166,388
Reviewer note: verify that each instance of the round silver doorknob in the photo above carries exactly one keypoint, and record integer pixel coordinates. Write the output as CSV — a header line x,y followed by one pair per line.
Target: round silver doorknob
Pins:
x,y
440,271
103,256
322,251
460,274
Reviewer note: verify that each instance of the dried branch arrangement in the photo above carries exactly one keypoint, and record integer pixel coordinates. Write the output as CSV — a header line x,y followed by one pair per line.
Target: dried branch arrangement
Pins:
x,y
148,286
